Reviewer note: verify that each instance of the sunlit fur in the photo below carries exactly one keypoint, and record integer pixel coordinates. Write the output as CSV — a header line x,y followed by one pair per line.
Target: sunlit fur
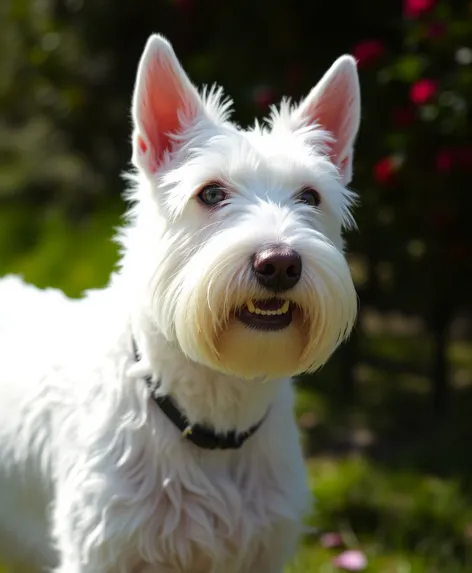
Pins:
x,y
94,478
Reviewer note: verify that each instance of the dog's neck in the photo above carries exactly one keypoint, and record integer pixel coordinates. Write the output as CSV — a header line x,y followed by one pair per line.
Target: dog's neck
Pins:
x,y
205,396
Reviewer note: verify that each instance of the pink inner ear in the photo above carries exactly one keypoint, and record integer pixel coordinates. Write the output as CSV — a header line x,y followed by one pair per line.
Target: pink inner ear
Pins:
x,y
333,114
334,108
163,96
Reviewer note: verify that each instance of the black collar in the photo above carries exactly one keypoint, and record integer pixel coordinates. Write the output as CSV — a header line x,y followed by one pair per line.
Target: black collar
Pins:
x,y
202,436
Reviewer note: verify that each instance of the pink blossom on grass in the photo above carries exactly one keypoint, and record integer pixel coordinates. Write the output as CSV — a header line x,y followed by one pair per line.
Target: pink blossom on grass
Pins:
x,y
351,560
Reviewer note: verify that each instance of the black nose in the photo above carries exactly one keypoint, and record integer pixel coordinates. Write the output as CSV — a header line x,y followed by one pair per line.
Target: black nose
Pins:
x,y
277,268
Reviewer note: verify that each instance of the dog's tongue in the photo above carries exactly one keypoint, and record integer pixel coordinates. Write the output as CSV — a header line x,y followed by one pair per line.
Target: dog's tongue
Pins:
x,y
269,304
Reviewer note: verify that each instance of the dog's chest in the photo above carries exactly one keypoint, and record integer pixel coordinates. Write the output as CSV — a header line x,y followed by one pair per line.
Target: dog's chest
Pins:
x,y
215,515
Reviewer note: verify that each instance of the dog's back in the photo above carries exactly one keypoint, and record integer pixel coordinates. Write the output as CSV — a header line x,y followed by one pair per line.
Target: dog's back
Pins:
x,y
32,332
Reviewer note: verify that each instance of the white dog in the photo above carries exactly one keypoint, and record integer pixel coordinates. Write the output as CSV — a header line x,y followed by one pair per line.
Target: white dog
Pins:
x,y
149,427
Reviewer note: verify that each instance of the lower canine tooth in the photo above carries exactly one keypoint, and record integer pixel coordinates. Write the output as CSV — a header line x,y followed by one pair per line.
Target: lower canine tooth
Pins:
x,y
250,306
285,306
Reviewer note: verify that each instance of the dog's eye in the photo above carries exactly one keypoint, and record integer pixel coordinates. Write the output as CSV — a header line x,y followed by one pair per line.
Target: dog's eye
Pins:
x,y
212,194
309,196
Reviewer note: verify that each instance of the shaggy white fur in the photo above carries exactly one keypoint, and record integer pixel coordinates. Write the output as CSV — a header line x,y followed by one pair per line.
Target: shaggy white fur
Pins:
x,y
94,478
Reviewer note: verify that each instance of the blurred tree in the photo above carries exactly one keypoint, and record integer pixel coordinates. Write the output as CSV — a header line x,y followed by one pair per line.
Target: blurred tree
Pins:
x,y
415,165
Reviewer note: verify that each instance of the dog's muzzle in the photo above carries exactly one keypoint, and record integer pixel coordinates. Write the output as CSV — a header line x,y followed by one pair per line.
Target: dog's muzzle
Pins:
x,y
277,269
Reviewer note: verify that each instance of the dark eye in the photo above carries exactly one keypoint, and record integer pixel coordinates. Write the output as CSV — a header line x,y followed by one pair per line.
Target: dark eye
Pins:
x,y
309,197
212,194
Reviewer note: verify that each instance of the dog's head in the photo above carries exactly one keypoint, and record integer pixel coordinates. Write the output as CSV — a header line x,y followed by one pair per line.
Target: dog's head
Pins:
x,y
235,240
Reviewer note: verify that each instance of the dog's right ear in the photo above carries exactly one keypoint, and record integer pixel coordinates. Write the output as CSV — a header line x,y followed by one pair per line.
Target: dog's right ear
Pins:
x,y
164,101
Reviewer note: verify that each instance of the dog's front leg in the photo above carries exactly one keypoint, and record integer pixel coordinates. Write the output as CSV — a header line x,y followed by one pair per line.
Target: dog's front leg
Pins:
x,y
91,538
82,534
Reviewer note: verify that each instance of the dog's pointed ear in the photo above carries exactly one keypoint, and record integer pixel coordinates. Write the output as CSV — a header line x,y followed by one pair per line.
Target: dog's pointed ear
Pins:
x,y
164,100
334,105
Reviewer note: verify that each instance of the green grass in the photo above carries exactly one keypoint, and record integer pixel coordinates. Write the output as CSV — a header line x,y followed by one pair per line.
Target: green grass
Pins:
x,y
403,521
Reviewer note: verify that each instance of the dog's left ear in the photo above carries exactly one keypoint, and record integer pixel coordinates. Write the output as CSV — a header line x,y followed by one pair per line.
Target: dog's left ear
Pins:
x,y
334,105
164,101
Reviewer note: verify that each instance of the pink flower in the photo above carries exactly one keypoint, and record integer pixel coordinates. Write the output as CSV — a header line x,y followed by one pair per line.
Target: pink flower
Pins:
x,y
331,539
384,170
368,52
415,8
423,91
351,560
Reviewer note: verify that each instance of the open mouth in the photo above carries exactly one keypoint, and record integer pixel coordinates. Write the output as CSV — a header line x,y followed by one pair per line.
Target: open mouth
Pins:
x,y
268,314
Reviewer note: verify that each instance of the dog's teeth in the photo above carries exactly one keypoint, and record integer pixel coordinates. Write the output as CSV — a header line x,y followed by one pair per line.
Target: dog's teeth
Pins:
x,y
253,309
